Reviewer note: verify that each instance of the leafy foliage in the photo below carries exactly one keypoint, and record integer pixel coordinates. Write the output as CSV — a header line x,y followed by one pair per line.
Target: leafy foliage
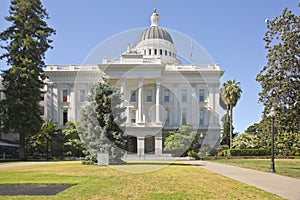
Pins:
x,y
280,77
25,44
72,143
100,128
44,143
182,141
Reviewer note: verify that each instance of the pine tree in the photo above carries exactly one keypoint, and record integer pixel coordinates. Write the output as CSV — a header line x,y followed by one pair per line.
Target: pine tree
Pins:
x,y
25,44
100,128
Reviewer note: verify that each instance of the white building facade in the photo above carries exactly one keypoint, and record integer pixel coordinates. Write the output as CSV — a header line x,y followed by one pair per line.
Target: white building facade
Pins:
x,y
160,93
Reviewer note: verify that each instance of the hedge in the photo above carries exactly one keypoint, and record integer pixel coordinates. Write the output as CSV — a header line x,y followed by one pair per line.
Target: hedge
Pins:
x,y
246,152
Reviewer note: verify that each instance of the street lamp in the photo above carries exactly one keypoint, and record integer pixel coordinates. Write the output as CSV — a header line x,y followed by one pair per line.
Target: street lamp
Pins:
x,y
272,115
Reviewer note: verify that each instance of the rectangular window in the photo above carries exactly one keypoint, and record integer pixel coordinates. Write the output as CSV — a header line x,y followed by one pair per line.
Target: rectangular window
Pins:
x,y
133,96
155,51
65,117
65,95
149,116
160,51
184,117
167,117
184,95
132,116
149,95
201,117
82,95
201,95
149,51
42,108
166,95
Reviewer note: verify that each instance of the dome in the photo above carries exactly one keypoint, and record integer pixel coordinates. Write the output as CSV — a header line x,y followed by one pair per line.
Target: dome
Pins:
x,y
155,31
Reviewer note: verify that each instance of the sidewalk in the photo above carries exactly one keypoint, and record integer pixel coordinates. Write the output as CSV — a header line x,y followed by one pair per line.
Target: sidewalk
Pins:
x,y
17,164
283,186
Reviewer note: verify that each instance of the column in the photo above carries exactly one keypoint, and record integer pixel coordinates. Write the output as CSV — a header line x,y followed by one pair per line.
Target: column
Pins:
x,y
141,146
158,145
157,105
176,106
140,101
72,103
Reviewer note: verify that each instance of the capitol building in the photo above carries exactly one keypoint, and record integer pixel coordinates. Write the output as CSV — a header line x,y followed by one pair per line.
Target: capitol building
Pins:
x,y
161,93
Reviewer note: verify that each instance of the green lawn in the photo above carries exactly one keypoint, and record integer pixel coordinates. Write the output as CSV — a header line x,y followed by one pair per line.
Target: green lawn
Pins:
x,y
177,181
285,167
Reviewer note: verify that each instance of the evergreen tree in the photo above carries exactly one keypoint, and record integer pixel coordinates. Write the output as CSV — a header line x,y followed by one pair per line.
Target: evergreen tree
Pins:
x,y
72,143
25,44
100,128
280,77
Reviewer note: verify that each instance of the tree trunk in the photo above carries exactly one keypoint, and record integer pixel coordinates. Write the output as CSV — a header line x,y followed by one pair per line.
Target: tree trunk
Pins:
x,y
227,127
231,130
22,147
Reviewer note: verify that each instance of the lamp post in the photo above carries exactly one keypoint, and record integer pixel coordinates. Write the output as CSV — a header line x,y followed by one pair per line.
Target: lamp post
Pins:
x,y
272,115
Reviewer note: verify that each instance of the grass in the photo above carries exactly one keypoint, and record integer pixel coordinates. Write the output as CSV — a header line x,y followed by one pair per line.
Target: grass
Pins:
x,y
176,181
285,167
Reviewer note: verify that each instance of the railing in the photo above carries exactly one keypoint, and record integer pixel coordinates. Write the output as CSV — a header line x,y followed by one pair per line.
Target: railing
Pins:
x,y
71,67
193,67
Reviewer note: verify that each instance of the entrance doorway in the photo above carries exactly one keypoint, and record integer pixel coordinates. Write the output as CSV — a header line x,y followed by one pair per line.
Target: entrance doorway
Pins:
x,y
150,144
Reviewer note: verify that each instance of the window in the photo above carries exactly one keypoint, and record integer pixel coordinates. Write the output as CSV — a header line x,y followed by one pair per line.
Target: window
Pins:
x,y
149,116
160,51
167,116
149,51
132,116
82,95
42,108
133,96
201,95
183,117
65,117
145,52
169,53
184,95
149,96
166,95
201,118
166,52
155,51
65,95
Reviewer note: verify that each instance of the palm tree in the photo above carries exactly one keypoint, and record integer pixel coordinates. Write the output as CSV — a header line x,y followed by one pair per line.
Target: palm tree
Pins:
x,y
230,94
48,131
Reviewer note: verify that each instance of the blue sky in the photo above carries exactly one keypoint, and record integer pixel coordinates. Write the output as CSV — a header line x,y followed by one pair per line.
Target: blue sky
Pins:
x,y
231,31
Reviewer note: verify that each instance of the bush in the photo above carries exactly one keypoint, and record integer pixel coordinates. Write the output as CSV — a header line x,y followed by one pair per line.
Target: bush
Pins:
x,y
246,152
193,154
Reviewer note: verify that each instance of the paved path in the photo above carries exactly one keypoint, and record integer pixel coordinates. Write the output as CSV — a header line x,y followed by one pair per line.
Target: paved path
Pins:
x,y
17,164
283,186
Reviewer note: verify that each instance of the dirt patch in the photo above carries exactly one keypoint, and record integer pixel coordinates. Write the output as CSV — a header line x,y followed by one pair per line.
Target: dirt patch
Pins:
x,y
32,189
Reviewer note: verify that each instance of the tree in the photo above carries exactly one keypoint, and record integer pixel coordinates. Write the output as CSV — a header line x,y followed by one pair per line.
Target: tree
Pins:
x,y
280,77
42,143
26,42
72,143
100,128
181,141
230,94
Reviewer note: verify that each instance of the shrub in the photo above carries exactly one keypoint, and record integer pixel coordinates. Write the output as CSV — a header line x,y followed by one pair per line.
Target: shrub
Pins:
x,y
246,152
193,154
